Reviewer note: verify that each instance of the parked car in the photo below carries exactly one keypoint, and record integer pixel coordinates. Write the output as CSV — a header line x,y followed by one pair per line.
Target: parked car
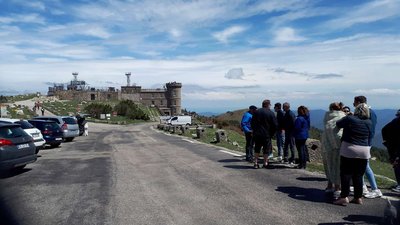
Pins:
x,y
31,130
16,147
68,124
51,132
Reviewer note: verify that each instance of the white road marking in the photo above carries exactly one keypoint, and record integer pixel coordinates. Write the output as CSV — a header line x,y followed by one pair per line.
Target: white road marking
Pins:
x,y
188,140
230,153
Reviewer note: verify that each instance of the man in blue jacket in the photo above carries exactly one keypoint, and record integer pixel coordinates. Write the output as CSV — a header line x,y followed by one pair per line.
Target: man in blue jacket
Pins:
x,y
248,132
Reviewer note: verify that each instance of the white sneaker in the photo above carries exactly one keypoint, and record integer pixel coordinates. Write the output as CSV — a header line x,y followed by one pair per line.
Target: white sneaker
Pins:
x,y
365,190
279,158
351,189
271,156
336,194
374,194
396,189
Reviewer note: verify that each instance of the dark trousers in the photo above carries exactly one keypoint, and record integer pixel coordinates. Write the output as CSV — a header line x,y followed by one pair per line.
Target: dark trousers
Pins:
x,y
289,143
249,146
352,169
397,173
302,151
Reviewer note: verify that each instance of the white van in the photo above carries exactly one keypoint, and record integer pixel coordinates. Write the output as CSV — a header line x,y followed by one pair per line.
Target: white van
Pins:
x,y
180,120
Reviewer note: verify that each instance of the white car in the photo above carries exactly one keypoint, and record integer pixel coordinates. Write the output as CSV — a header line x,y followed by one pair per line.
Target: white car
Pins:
x,y
30,129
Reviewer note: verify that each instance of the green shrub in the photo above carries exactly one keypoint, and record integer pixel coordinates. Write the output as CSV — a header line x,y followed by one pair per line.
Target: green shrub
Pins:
x,y
131,110
95,109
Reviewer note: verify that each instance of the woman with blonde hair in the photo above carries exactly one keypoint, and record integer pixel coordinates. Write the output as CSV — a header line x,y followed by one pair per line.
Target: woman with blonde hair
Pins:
x,y
330,146
354,152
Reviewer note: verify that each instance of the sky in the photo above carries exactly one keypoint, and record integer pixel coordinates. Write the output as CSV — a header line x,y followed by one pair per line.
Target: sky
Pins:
x,y
228,54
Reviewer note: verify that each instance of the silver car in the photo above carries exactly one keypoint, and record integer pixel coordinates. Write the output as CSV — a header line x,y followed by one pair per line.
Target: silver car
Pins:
x,y
16,147
68,124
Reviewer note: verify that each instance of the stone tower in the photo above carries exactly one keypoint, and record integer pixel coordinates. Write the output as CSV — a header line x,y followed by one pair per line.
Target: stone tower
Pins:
x,y
173,94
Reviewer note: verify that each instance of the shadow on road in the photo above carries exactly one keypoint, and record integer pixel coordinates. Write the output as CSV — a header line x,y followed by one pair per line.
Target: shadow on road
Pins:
x,y
240,167
230,160
304,194
311,179
12,173
358,219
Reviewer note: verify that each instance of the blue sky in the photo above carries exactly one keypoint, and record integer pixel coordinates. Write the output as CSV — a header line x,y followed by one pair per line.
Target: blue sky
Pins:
x,y
228,54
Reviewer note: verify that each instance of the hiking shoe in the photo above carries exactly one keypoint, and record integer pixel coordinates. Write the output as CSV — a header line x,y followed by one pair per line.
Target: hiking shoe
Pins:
x,y
374,194
396,189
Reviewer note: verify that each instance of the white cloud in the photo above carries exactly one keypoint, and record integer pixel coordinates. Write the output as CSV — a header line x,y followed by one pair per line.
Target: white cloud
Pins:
x,y
236,73
379,92
287,34
35,5
215,96
224,35
369,12
23,18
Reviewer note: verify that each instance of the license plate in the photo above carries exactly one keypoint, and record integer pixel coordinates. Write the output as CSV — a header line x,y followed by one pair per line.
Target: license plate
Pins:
x,y
58,139
23,146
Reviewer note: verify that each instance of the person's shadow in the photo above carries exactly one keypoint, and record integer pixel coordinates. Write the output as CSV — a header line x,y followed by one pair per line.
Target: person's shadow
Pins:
x,y
304,194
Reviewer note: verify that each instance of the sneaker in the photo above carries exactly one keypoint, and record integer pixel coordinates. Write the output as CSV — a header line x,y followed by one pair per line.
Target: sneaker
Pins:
x,y
279,158
374,194
351,189
336,195
365,190
396,189
271,156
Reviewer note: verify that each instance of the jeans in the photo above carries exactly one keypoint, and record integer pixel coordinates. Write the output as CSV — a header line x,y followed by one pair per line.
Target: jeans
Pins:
x,y
289,143
371,177
352,169
249,146
280,141
302,151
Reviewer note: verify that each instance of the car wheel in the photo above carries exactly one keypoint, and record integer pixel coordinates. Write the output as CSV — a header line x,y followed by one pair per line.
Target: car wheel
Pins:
x,y
69,139
20,167
37,150
55,145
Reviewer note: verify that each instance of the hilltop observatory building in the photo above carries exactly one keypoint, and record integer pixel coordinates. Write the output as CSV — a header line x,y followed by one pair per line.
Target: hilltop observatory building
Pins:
x,y
166,99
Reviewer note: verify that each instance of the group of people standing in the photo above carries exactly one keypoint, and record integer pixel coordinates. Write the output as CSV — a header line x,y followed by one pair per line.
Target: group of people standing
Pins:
x,y
345,142
261,125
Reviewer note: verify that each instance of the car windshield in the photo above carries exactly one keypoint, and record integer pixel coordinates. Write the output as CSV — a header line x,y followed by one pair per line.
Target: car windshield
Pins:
x,y
11,132
69,120
25,125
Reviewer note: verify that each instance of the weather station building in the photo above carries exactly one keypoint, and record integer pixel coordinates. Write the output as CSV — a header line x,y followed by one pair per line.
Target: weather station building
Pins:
x,y
166,99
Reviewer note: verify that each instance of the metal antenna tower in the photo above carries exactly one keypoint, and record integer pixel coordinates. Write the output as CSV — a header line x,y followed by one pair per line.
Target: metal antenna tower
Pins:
x,y
75,74
128,78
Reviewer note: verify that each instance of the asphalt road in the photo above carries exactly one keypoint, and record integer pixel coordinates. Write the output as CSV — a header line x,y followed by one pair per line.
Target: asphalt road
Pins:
x,y
136,175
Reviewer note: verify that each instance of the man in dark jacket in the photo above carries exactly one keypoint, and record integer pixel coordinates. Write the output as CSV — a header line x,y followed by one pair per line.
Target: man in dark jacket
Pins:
x,y
288,126
390,135
280,132
264,126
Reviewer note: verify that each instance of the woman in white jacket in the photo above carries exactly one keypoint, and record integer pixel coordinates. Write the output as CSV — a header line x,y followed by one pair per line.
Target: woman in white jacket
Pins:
x,y
330,143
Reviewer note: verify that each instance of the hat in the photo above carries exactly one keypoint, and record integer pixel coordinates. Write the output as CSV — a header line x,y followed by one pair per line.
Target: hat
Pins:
x,y
398,113
252,107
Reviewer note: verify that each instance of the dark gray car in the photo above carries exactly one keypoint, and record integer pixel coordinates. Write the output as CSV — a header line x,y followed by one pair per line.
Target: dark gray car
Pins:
x,y
68,124
16,147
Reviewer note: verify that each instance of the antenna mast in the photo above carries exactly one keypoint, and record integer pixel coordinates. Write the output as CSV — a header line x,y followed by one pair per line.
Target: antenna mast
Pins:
x,y
128,78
